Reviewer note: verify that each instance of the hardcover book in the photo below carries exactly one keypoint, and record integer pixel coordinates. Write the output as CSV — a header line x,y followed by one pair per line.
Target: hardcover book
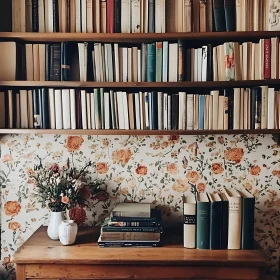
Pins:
x,y
132,210
189,221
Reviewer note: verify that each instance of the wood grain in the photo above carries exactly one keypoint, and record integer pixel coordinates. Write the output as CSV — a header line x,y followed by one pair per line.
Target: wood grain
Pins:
x,y
137,38
137,132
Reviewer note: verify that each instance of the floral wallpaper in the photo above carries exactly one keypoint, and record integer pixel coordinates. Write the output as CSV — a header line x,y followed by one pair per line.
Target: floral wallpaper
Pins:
x,y
155,169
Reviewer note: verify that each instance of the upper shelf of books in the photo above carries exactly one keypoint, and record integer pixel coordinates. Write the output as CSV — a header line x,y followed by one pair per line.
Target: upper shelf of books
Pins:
x,y
137,37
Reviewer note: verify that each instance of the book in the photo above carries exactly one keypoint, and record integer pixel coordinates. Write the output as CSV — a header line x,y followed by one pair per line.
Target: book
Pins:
x,y
230,14
203,221
216,219
219,15
248,220
189,221
128,243
132,210
224,230
8,58
274,15
234,218
129,236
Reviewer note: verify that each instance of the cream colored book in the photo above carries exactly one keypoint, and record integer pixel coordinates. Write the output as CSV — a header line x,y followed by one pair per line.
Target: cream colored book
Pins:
x,y
65,94
254,57
22,17
41,15
18,112
180,10
270,108
30,109
42,61
84,16
264,114
29,62
16,14
88,99
241,116
210,112
23,109
245,108
134,64
225,112
78,16
52,108
89,16
73,108
103,17
256,8
8,61
221,113
215,64
129,64
96,16
215,94
135,19
239,15
84,109
274,55
195,112
11,101
125,16
257,61
163,18
202,16
36,64
92,110
245,61
58,109
132,210
234,218
236,108
189,221
187,16
182,110
49,15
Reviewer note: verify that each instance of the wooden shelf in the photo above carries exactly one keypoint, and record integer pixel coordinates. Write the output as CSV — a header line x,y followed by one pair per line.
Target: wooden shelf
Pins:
x,y
136,132
136,38
152,85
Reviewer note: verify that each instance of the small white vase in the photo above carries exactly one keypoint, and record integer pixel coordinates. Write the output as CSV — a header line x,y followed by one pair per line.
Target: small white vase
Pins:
x,y
68,232
55,221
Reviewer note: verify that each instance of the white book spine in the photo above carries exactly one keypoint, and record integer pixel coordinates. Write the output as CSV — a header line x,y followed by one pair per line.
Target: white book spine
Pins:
x,y
129,64
215,95
49,14
158,15
81,49
92,110
264,117
107,110
135,18
236,108
165,111
73,109
125,110
160,110
89,15
173,62
83,16
245,108
204,64
199,64
190,111
182,110
120,110
125,16
147,119
142,108
52,108
84,109
110,63
245,61
163,20
66,109
165,62
18,115
88,110
97,63
85,60
150,109
271,108
116,64
58,109
189,225
139,71
137,110
169,112
78,16
125,64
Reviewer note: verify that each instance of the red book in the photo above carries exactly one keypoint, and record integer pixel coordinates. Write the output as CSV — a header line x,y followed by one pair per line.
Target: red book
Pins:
x,y
110,16
267,59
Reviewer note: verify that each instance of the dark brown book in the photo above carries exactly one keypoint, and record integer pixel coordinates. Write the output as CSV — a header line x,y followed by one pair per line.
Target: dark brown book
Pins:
x,y
78,109
195,15
55,62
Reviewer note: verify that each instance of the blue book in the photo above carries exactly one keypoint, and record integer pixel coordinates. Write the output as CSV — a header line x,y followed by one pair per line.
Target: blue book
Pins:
x,y
201,112
151,62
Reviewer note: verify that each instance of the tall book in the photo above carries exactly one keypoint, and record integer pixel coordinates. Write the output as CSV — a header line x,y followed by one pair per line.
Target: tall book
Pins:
x,y
248,217
132,210
234,218
189,221
36,109
219,15
230,14
225,210
44,97
8,59
216,219
203,221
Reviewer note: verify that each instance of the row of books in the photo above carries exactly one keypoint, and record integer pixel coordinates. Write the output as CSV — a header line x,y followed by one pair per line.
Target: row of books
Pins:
x,y
219,221
238,108
144,16
132,225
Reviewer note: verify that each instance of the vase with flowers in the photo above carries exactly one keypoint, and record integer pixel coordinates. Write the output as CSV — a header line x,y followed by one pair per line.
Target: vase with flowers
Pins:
x,y
62,188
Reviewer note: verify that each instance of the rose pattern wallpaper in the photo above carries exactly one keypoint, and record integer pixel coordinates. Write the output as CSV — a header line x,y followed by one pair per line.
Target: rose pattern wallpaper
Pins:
x,y
153,169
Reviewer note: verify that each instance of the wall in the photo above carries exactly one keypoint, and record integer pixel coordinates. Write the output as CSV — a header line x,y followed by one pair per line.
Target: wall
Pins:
x,y
152,169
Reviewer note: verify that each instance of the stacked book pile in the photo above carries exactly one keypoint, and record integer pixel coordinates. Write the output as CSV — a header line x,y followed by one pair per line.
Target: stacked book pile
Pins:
x,y
132,225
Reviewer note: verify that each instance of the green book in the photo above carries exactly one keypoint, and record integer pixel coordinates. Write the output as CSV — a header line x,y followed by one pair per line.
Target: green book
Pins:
x,y
159,62
225,208
248,217
151,62
203,221
215,221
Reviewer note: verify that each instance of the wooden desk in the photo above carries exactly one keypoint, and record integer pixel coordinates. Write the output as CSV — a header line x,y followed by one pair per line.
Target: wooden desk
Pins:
x,y
42,258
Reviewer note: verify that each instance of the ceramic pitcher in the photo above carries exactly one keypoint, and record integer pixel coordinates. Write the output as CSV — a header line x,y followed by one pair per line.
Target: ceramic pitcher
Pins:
x,y
67,232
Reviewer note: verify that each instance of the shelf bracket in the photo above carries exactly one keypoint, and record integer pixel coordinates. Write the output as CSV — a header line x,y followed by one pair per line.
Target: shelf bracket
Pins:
x,y
276,138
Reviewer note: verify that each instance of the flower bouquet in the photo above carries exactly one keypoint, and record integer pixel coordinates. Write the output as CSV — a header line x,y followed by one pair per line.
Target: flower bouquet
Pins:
x,y
64,187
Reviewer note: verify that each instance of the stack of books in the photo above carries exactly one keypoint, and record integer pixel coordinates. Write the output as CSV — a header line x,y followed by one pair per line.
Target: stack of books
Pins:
x,y
132,225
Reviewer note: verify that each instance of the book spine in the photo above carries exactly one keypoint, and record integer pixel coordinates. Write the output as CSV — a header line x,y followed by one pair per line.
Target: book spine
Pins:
x,y
158,61
219,15
131,236
35,17
110,16
174,111
45,108
203,226
65,61
248,217
180,61
230,14
36,109
55,16
189,225
234,223
215,225
131,229
270,108
133,219
201,112
154,112
253,107
130,214
117,16
151,16
258,109
48,58
128,244
267,59
55,68
134,224
151,62
224,231
78,109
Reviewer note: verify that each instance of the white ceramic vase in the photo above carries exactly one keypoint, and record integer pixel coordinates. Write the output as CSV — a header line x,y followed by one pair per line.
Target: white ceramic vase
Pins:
x,y
68,232
55,221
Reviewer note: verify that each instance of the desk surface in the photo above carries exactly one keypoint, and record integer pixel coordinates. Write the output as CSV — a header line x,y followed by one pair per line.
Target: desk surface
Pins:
x,y
40,249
